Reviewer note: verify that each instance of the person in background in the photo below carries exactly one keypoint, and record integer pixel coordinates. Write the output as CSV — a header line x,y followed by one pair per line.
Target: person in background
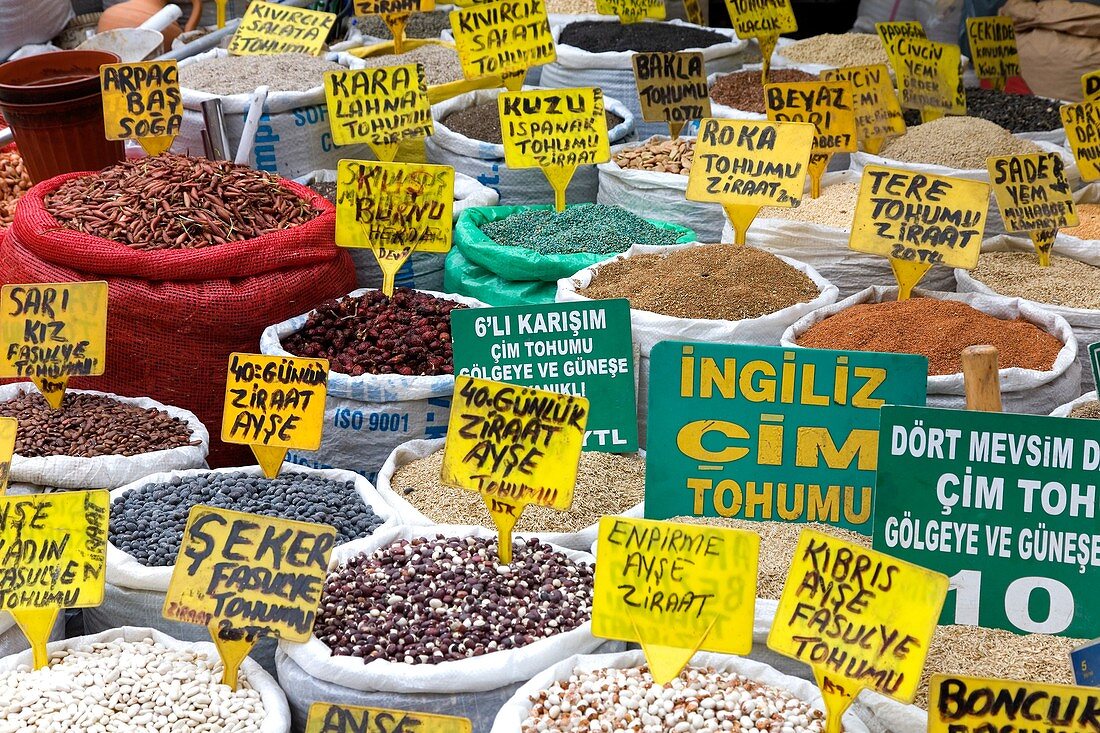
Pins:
x,y
30,22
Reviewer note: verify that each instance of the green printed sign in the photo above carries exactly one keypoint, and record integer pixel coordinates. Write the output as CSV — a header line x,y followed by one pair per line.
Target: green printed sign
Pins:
x,y
1006,505
581,348
768,433
1094,359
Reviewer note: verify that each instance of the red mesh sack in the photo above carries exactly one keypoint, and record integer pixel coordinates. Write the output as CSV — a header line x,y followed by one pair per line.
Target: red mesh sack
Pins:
x,y
174,316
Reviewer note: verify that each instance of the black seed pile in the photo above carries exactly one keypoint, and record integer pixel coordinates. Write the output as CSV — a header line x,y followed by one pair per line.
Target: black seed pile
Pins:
x,y
147,522
597,36
1013,112
426,601
326,188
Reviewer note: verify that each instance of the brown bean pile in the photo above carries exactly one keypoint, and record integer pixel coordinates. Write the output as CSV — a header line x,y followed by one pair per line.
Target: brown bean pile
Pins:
x,y
662,156
743,90
176,202
90,425
14,182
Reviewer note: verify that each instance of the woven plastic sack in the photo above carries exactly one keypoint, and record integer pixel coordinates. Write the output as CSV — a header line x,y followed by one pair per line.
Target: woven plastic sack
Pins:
x,y
423,270
473,688
175,316
825,249
408,514
613,71
1066,409
277,714
649,328
134,594
368,416
1022,390
1085,322
485,161
107,472
463,277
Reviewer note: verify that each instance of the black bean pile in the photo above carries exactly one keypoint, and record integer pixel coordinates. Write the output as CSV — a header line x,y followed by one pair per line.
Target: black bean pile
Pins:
x,y
147,522
87,426
408,334
597,36
427,601
1013,112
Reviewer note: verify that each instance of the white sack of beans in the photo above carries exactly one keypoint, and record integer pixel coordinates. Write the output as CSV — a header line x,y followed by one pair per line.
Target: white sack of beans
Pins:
x,y
1022,390
107,472
134,593
408,514
474,687
89,675
1066,409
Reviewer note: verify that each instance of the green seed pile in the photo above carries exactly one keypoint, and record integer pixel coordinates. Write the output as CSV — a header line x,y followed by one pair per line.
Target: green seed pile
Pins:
x,y
593,228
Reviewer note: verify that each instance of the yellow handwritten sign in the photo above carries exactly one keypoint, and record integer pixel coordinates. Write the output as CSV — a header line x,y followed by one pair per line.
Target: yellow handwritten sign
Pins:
x,y
929,77
919,220
555,130
53,555
270,28
504,37
1090,86
142,101
1082,124
993,48
395,209
745,165
380,107
1034,197
835,588
9,427
672,87
889,32
827,105
515,446
632,11
52,331
960,704
878,112
395,14
693,12
675,589
764,20
331,717
273,403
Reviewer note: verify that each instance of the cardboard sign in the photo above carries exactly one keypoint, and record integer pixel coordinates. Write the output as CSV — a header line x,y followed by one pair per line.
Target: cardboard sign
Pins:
x,y
764,20
632,11
861,619
503,38
515,446
1082,125
1090,86
1085,661
828,106
142,101
1004,504
583,349
271,28
878,112
555,130
52,331
53,555
9,427
958,704
929,76
918,220
273,403
768,433
395,209
380,107
993,48
672,87
675,589
745,165
1034,197
248,576
331,717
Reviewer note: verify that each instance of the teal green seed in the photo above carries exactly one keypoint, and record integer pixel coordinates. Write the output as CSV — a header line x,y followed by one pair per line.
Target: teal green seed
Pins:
x,y
593,228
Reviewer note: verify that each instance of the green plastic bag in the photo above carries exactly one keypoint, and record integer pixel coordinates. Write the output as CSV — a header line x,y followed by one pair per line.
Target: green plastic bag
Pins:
x,y
520,263
462,277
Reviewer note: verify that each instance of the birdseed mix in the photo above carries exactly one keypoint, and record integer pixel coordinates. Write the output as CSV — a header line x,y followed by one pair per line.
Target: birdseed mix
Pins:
x,y
419,25
571,7
837,50
700,699
598,36
14,182
834,208
937,329
726,282
965,143
1089,224
743,90
441,64
593,228
282,72
482,122
1014,112
1067,282
607,483
1089,410
660,156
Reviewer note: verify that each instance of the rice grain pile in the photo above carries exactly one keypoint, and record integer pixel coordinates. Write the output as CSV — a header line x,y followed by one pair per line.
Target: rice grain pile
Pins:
x,y
1067,282
834,208
837,50
964,143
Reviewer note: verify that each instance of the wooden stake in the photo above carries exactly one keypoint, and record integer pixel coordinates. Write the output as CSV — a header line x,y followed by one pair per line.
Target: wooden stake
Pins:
x,y
981,378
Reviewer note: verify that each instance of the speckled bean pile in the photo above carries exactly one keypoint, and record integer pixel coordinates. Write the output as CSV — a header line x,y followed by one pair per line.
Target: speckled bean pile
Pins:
x,y
660,156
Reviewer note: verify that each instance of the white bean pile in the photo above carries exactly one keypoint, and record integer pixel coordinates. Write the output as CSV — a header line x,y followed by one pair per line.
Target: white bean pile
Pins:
x,y
124,687
606,700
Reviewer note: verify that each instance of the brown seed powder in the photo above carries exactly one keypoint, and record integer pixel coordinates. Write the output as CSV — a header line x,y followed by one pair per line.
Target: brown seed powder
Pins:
x,y
744,90
1088,226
